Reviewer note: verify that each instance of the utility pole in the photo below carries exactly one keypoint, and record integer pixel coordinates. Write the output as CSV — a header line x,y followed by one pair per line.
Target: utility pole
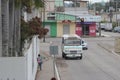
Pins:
x,y
116,5
111,11
44,20
94,8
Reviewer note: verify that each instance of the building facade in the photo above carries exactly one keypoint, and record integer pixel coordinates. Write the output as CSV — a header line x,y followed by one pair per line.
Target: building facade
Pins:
x,y
67,15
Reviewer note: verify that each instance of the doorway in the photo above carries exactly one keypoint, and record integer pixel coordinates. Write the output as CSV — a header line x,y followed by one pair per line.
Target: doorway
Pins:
x,y
66,29
85,29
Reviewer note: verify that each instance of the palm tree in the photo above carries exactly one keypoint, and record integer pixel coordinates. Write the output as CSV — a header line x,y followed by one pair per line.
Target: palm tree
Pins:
x,y
5,27
26,5
0,31
11,25
10,29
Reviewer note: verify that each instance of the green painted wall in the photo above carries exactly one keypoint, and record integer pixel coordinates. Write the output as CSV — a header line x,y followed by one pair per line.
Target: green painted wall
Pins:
x,y
60,17
53,28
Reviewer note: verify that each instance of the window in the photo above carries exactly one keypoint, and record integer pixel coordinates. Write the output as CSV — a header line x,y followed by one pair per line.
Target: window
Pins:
x,y
50,18
71,3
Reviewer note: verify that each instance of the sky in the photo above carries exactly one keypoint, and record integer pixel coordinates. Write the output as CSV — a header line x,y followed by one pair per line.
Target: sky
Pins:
x,y
98,0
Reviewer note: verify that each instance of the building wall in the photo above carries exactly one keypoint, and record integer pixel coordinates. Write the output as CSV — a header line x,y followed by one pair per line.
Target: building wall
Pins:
x,y
50,5
82,10
52,28
60,28
72,28
83,4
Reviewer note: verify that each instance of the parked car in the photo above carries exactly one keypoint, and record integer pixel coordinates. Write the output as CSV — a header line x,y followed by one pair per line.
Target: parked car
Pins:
x,y
116,29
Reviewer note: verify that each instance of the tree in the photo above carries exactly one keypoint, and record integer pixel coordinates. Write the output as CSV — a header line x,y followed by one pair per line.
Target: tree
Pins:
x,y
5,27
31,28
27,6
11,21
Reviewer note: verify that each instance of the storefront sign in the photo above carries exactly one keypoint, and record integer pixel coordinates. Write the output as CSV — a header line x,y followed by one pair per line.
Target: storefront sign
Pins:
x,y
92,29
91,18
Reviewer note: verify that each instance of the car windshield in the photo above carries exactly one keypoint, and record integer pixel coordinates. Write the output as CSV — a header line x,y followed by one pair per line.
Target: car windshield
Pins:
x,y
72,42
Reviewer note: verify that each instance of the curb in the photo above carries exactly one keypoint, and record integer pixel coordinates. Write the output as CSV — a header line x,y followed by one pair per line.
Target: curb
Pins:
x,y
104,47
111,51
115,53
57,72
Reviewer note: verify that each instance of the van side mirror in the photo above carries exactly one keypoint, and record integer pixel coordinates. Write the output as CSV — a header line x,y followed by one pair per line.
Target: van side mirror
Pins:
x,y
82,42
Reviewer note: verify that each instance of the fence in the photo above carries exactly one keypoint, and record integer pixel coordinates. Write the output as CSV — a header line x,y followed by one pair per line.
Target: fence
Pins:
x,y
21,68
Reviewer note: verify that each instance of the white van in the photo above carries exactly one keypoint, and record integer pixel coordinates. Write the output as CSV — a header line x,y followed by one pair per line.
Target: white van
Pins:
x,y
72,46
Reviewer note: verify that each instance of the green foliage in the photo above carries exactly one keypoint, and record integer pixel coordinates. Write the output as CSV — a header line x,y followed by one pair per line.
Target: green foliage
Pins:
x,y
114,24
17,3
104,21
28,4
105,7
98,6
39,3
25,30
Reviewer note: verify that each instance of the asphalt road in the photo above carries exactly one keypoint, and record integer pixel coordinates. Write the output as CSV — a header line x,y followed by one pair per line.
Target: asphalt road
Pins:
x,y
97,63
110,34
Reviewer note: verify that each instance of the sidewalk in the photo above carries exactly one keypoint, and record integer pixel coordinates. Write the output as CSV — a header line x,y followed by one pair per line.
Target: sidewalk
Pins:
x,y
47,71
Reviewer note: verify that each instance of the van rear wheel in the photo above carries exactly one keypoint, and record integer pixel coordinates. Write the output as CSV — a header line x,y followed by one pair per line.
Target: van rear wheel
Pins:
x,y
63,55
81,57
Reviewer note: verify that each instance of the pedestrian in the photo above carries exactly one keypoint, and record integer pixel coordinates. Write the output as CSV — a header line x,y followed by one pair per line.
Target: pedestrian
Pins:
x,y
53,78
39,60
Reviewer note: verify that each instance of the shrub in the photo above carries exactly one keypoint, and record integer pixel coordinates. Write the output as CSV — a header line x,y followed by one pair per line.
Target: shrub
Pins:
x,y
31,28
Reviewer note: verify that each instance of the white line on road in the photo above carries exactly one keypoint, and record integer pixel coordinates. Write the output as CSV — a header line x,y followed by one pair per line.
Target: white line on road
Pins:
x,y
105,35
115,54
57,73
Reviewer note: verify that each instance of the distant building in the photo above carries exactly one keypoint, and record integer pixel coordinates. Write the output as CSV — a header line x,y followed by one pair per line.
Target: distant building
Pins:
x,y
63,17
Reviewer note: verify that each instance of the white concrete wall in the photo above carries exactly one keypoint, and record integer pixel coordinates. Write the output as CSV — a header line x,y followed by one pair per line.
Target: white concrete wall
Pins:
x,y
21,68
12,68
31,57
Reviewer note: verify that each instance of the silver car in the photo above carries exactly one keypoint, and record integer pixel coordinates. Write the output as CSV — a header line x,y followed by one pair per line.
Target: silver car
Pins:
x,y
116,29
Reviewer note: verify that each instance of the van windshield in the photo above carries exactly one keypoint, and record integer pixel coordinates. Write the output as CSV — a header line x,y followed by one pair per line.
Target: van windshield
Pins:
x,y
72,42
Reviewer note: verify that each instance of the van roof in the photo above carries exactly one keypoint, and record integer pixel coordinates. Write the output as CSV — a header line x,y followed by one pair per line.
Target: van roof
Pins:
x,y
71,35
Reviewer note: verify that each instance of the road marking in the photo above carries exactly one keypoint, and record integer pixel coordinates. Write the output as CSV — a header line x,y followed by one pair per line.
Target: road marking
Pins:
x,y
57,73
115,54
105,35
